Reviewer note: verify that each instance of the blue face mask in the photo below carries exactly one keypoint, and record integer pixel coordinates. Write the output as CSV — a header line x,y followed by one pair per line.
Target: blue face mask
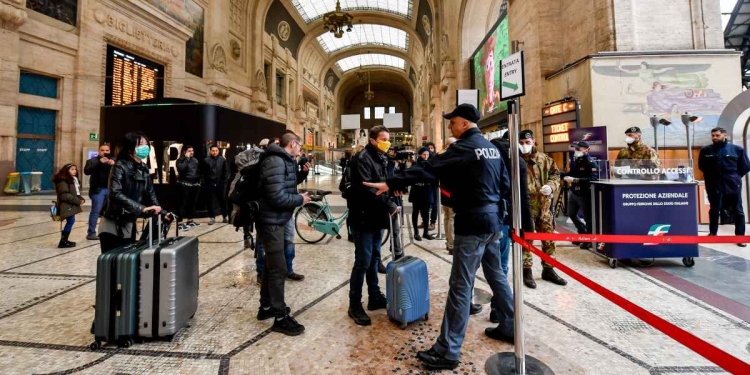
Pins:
x,y
142,151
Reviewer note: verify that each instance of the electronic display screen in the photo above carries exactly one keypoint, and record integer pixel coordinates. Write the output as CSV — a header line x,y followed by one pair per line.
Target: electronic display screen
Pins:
x,y
486,68
131,78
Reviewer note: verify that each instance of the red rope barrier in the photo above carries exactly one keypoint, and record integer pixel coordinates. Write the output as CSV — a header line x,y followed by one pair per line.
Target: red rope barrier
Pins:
x,y
708,351
622,238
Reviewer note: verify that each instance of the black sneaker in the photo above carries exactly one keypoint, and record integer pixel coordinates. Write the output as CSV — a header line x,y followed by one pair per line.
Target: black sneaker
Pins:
x,y
586,246
295,277
288,326
428,237
264,314
417,237
183,228
376,303
358,314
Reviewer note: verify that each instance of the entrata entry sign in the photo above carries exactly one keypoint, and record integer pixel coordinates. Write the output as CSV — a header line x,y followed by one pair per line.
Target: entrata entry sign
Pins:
x,y
511,75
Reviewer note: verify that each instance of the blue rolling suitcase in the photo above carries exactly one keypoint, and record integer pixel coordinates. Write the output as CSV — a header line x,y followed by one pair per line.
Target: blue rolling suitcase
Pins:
x,y
407,290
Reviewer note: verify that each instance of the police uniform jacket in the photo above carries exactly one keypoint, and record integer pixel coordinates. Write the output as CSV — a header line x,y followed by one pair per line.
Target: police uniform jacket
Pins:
x,y
585,170
472,170
723,167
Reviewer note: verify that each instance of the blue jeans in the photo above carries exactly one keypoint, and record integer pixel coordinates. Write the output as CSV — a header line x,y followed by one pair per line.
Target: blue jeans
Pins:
x,y
505,249
97,202
260,260
366,259
468,252
69,223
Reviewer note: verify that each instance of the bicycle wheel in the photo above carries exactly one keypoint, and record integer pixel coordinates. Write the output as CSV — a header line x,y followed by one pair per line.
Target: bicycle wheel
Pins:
x,y
303,219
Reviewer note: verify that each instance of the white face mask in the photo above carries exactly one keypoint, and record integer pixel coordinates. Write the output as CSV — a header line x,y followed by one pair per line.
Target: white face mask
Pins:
x,y
525,149
578,154
629,140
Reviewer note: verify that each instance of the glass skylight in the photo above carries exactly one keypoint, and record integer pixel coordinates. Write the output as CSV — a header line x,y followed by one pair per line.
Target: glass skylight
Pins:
x,y
310,10
366,34
356,61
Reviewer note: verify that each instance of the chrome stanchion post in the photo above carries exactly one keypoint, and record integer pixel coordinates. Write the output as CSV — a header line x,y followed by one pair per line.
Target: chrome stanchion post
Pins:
x,y
439,208
517,362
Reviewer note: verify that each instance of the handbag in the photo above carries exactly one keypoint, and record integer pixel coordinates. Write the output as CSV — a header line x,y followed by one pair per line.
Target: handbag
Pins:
x,y
54,211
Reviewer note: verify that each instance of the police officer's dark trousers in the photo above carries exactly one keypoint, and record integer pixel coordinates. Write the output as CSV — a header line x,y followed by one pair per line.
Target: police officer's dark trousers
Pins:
x,y
576,202
468,252
719,201
274,276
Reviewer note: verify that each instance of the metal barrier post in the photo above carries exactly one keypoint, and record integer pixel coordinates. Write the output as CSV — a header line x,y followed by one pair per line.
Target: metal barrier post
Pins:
x,y
439,208
518,362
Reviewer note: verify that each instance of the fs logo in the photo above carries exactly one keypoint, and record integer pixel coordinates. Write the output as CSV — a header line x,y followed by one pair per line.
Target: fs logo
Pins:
x,y
658,230
587,136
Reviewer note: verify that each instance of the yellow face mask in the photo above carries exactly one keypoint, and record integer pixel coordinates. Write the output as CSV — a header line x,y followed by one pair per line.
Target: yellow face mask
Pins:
x,y
384,146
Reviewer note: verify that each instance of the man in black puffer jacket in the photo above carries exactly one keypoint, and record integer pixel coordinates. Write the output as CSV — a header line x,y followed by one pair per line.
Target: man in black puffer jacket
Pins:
x,y
278,181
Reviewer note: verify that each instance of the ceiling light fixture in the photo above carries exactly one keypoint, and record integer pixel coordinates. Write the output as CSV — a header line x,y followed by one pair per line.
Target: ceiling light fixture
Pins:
x,y
335,22
369,94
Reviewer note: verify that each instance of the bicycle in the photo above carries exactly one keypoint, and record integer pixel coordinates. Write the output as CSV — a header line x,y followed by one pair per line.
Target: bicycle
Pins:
x,y
314,220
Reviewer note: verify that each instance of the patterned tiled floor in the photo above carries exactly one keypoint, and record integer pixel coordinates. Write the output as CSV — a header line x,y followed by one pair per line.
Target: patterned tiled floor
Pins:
x,y
46,307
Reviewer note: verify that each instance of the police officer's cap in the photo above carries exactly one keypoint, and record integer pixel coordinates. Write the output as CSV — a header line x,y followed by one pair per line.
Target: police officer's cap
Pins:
x,y
633,129
582,144
526,134
466,111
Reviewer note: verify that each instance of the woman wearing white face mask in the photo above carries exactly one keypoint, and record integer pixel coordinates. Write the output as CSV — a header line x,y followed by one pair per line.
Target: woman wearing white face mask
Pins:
x,y
643,155
543,181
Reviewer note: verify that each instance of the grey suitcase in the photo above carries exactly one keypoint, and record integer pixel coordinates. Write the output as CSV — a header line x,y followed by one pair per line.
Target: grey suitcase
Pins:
x,y
168,285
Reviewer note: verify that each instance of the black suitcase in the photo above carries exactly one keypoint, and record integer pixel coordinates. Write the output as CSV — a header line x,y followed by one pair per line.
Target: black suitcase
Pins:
x,y
116,316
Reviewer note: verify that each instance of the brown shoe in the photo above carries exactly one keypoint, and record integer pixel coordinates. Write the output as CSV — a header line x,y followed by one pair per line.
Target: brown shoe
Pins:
x,y
295,277
432,226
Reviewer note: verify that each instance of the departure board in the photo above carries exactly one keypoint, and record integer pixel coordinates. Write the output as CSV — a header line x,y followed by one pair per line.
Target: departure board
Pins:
x,y
131,78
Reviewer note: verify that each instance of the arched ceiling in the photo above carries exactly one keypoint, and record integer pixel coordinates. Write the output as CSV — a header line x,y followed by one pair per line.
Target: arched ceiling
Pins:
x,y
380,79
311,10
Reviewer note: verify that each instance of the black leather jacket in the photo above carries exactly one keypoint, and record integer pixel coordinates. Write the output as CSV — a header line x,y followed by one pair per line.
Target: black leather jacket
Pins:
x,y
130,191
99,173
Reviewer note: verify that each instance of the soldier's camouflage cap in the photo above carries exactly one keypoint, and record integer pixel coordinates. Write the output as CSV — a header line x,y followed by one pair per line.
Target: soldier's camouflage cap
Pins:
x,y
633,129
526,134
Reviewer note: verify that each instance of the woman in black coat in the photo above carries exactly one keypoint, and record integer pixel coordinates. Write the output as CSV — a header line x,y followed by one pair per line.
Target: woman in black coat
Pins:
x,y
421,197
69,200
131,194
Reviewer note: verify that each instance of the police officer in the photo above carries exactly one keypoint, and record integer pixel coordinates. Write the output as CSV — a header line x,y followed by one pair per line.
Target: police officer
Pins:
x,y
473,172
640,154
583,170
723,165
543,181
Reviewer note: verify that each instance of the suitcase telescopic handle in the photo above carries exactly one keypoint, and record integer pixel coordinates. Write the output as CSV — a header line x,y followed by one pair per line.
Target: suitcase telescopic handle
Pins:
x,y
151,231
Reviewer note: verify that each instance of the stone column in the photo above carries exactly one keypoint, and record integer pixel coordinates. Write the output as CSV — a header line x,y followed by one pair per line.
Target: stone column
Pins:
x,y
12,16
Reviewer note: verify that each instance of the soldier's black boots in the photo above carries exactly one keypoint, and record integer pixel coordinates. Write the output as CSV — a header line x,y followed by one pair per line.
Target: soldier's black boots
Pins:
x,y
528,278
550,275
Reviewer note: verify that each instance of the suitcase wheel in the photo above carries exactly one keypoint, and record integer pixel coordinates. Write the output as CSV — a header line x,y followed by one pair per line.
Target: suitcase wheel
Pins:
x,y
96,345
427,316
169,338
127,343
403,325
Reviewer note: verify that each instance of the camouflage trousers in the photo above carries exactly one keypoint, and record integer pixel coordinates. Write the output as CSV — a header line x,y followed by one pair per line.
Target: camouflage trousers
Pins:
x,y
542,216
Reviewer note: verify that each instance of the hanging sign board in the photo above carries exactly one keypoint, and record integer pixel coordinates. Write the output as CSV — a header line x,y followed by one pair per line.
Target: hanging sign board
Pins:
x,y
511,76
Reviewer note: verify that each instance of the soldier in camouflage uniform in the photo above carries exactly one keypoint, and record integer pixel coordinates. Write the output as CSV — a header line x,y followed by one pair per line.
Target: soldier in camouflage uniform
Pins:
x,y
543,180
638,155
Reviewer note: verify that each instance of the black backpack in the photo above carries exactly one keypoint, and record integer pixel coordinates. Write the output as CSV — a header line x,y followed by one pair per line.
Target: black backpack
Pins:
x,y
346,179
245,196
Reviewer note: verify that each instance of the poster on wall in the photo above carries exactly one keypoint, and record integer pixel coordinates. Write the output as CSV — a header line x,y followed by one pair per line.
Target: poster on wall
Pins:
x,y
189,14
629,90
596,137
362,138
486,68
